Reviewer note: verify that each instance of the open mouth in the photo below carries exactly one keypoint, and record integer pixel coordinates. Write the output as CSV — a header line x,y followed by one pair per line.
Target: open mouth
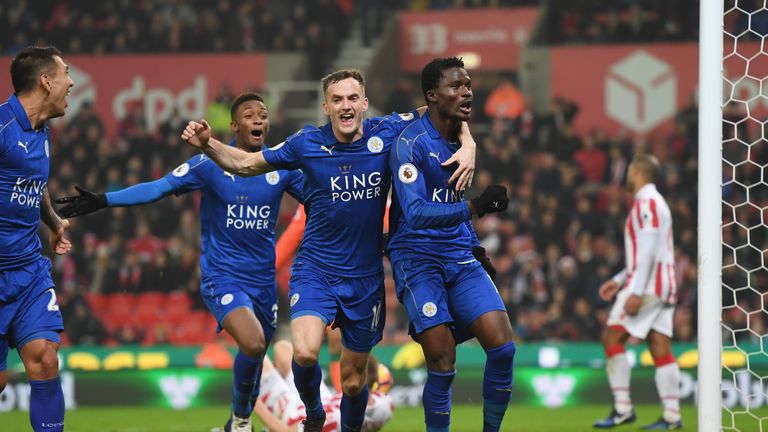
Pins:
x,y
347,119
257,133
466,107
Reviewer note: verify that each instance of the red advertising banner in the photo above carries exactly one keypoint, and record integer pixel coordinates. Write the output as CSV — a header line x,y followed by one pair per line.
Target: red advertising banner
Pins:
x,y
161,83
640,88
487,39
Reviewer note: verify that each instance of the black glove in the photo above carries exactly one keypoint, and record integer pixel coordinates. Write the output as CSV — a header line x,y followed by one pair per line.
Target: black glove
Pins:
x,y
479,253
78,205
493,199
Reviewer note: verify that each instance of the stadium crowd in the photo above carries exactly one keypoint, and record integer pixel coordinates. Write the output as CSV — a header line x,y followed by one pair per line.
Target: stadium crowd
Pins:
x,y
560,239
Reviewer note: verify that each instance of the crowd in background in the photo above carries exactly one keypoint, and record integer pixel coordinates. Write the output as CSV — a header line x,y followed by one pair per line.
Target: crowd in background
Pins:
x,y
623,21
561,237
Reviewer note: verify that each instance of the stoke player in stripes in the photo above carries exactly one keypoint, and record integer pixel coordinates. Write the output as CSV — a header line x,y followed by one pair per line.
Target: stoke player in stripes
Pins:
x,y
646,294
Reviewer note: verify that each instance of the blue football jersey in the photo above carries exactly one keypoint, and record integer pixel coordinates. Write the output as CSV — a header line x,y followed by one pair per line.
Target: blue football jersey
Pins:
x,y
346,187
237,219
428,217
24,166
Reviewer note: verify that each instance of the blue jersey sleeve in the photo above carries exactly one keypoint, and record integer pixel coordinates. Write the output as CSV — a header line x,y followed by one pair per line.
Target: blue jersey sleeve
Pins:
x,y
191,175
406,160
296,185
288,154
141,193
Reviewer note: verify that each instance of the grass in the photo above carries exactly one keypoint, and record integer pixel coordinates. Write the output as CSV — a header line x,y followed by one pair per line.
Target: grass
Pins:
x,y
465,418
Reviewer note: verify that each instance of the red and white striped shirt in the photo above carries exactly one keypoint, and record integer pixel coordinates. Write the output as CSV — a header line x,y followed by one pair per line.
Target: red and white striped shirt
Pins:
x,y
649,248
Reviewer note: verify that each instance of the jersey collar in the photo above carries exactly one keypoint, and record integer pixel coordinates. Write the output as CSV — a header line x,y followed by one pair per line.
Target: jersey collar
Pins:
x,y
18,111
431,130
647,186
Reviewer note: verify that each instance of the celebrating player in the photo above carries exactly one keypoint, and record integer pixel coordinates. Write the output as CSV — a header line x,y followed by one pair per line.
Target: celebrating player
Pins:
x,y
281,410
645,302
437,260
238,217
30,319
337,276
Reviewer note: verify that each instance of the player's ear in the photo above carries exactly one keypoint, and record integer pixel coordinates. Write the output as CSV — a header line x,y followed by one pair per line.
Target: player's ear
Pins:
x,y
431,96
233,126
365,104
45,82
326,110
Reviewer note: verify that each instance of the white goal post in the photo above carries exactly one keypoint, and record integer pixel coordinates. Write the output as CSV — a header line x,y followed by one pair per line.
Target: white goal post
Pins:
x,y
709,215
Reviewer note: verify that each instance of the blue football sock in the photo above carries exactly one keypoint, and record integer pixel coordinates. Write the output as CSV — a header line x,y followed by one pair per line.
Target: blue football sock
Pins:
x,y
353,411
245,379
307,380
437,401
256,387
497,385
46,405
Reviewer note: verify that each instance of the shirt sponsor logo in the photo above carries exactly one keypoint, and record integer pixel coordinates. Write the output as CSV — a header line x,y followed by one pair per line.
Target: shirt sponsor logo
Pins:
x,y
407,173
243,216
181,170
27,192
446,195
355,187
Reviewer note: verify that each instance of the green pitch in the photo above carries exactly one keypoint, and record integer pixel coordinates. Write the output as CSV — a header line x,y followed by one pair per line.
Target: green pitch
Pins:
x,y
465,418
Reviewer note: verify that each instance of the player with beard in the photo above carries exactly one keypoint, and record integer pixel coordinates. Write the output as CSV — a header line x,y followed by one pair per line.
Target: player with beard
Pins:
x,y
437,260
30,320
237,221
337,277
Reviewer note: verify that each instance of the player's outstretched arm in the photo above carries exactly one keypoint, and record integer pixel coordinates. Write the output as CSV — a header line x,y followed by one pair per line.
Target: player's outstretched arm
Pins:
x,y
465,157
57,225
87,202
232,159
270,421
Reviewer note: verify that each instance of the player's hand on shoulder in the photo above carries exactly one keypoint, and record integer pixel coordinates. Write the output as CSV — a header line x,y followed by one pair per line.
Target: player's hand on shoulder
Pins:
x,y
197,134
465,171
608,290
493,199
82,204
482,257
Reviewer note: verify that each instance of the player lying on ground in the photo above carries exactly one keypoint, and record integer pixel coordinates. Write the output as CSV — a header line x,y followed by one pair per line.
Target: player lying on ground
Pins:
x,y
280,408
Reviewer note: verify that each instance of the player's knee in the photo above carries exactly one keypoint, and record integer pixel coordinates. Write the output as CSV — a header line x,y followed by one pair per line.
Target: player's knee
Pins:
x,y
304,356
443,361
49,361
254,349
353,385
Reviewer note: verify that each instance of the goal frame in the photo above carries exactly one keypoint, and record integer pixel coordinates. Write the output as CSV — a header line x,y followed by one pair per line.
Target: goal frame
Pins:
x,y
710,215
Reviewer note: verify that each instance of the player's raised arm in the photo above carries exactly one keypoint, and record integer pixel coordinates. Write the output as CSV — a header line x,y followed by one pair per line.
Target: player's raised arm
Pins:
x,y
232,159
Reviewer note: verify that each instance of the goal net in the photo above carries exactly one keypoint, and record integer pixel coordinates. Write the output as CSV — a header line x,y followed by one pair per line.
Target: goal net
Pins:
x,y
733,377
